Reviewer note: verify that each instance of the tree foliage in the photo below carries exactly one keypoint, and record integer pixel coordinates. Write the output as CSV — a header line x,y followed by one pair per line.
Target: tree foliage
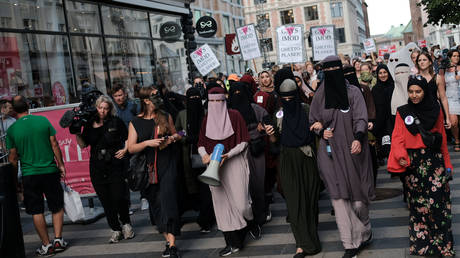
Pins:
x,y
441,12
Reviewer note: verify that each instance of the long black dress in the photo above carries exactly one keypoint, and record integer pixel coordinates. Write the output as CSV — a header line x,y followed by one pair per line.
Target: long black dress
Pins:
x,y
162,197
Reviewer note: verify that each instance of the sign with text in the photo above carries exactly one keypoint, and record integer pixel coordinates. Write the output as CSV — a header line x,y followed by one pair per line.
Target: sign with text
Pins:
x,y
382,51
76,160
170,31
248,42
323,41
204,59
422,43
369,45
290,44
231,45
206,27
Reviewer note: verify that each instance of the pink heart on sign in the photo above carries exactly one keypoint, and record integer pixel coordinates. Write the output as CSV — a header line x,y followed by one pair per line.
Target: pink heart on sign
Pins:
x,y
199,52
290,30
245,30
322,30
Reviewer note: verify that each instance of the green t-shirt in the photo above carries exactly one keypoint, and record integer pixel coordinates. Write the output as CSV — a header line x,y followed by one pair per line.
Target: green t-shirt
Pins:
x,y
30,136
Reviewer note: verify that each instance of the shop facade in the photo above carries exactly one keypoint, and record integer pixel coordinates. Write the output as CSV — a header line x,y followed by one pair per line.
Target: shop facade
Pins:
x,y
53,50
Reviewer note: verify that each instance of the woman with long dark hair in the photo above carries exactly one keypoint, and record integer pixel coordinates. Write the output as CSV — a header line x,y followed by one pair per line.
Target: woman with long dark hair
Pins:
x,y
426,169
152,131
106,134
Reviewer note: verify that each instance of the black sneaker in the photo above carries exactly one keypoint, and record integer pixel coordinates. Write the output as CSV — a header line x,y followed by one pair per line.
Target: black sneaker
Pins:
x,y
166,252
45,251
256,232
228,250
59,245
366,243
173,252
351,253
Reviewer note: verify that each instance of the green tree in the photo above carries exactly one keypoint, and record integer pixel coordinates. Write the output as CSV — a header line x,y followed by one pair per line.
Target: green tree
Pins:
x,y
441,12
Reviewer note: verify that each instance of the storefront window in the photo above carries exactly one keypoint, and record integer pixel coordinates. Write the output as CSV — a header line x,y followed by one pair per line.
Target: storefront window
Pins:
x,y
32,15
88,63
171,68
131,62
83,17
125,22
37,67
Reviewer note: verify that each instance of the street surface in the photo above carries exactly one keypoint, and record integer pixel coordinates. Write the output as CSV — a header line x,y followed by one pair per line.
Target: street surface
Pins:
x,y
389,220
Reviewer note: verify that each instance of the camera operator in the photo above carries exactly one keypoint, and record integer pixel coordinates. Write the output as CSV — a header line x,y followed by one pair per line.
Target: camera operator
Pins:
x,y
107,134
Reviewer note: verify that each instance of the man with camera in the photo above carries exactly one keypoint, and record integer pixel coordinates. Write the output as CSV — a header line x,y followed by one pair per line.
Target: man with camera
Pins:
x,y
31,139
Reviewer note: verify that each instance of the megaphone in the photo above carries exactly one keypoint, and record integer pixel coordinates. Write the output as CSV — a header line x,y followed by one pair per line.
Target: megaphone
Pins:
x,y
211,175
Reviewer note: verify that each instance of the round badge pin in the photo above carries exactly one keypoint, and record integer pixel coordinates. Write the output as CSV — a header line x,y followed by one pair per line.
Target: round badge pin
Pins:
x,y
409,120
345,110
279,114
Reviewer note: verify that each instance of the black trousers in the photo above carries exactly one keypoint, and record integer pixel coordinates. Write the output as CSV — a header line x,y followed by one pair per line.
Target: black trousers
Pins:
x,y
116,205
235,238
206,218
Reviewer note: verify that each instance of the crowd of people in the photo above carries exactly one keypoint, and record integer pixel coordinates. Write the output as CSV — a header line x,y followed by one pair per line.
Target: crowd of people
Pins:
x,y
299,129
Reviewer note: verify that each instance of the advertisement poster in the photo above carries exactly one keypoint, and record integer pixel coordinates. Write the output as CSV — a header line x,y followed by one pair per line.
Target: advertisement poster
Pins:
x,y
323,40
369,45
11,77
248,42
76,160
290,44
204,59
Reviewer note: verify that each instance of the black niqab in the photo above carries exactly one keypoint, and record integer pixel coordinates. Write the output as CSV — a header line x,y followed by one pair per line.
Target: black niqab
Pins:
x,y
335,85
350,75
241,101
195,114
427,111
383,90
295,127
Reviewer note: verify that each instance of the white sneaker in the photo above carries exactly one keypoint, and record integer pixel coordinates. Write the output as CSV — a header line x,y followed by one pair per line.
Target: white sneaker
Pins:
x,y
269,216
116,237
127,231
144,204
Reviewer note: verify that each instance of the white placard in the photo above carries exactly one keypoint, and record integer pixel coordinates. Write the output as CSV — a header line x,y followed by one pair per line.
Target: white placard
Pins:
x,y
323,40
369,45
290,44
249,44
204,59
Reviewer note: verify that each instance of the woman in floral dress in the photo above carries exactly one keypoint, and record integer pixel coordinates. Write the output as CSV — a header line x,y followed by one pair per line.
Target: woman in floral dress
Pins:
x,y
426,171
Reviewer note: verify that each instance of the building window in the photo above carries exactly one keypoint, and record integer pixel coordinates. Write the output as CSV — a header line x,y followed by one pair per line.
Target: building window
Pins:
x,y
336,9
226,24
241,22
83,17
196,15
125,22
287,16
37,67
311,13
267,43
263,20
341,35
33,15
256,2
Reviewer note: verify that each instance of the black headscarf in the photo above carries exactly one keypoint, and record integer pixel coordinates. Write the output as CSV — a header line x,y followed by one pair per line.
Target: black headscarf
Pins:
x,y
281,75
427,111
240,100
383,90
295,129
335,85
195,114
350,75
169,106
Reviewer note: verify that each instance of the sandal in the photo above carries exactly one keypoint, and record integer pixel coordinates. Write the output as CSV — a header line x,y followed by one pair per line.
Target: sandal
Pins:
x,y
457,147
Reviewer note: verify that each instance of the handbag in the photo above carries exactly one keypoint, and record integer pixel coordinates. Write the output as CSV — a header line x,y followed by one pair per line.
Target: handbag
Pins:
x,y
257,146
430,139
72,204
138,178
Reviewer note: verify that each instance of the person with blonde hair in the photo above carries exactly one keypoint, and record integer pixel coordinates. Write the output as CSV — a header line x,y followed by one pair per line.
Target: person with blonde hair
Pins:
x,y
106,134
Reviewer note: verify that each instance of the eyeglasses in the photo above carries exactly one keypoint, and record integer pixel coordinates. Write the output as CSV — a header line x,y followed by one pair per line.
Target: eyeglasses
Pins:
x,y
416,76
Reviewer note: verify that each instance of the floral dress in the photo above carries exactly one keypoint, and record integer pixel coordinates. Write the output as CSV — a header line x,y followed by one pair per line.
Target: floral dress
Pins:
x,y
429,204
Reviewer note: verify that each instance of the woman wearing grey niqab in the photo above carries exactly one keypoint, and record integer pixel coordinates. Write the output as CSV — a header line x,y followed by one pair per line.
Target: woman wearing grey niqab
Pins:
x,y
347,172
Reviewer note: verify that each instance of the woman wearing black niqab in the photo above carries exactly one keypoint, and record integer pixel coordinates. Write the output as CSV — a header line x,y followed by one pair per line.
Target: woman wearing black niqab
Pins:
x,y
194,194
298,170
253,115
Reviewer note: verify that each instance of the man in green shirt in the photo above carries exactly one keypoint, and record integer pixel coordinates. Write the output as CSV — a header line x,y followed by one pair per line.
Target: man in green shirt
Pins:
x,y
31,139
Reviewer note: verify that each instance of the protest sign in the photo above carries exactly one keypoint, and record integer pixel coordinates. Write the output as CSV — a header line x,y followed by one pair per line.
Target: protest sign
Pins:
x,y
248,42
323,41
204,59
290,44
369,45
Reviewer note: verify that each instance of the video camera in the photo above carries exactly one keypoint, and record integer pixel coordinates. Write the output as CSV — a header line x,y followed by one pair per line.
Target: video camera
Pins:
x,y
79,116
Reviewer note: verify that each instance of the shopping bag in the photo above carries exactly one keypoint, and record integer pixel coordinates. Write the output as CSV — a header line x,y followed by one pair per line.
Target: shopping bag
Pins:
x,y
72,204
